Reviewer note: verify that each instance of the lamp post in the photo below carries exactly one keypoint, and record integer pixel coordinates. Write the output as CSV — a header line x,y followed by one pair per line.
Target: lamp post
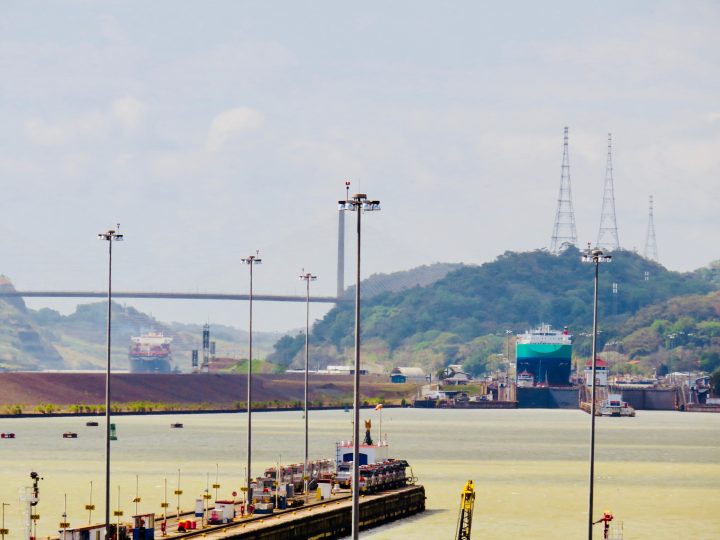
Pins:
x,y
307,277
251,261
110,236
508,333
3,530
596,257
358,203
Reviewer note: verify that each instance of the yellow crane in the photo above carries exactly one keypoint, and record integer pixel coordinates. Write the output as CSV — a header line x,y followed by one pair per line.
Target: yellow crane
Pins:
x,y
467,503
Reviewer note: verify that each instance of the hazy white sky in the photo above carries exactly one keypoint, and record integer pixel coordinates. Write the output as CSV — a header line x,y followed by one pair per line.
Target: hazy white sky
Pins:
x,y
212,129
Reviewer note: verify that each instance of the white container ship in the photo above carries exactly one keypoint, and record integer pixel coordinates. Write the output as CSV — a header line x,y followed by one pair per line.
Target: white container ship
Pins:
x,y
150,353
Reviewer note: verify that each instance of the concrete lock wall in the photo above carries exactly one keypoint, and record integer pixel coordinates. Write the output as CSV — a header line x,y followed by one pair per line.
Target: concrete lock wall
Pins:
x,y
548,398
334,520
648,399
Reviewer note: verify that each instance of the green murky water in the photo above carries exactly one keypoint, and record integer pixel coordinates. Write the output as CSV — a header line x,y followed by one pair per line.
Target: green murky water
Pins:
x,y
658,472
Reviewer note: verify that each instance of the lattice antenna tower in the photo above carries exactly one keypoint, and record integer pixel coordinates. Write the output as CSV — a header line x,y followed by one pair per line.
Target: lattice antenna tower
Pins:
x,y
650,243
608,235
564,232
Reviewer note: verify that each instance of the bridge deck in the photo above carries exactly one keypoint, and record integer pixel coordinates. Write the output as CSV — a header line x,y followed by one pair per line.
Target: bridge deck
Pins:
x,y
170,295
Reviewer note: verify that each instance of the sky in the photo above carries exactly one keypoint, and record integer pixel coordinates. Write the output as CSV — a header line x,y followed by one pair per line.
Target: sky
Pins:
x,y
211,130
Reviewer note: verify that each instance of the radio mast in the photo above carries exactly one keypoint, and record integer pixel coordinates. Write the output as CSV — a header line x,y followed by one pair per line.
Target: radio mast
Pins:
x,y
564,232
650,244
608,235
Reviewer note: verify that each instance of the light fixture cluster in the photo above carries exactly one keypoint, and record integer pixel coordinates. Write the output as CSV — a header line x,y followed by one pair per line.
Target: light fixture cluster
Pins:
x,y
111,235
307,276
596,256
359,201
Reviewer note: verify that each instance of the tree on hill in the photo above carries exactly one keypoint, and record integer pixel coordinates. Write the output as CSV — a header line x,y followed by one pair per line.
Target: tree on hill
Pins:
x,y
285,350
681,333
710,273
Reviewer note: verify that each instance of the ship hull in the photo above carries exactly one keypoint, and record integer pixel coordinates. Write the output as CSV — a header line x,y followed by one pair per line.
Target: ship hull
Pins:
x,y
548,363
149,365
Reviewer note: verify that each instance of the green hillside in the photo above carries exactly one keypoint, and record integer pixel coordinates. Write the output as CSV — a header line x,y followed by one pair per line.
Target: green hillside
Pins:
x,y
21,345
420,276
462,317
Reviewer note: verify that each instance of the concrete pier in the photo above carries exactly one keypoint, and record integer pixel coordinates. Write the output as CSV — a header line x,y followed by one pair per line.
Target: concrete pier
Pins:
x,y
325,519
331,519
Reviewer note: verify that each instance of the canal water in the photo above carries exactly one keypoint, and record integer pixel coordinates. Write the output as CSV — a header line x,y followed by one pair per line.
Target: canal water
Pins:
x,y
659,473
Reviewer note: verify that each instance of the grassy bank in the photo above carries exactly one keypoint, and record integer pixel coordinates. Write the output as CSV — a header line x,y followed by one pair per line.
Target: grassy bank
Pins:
x,y
149,408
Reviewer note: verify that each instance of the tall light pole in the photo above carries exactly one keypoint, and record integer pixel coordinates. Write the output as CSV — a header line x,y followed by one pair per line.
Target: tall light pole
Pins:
x,y
307,277
3,530
110,236
251,261
508,333
358,203
596,257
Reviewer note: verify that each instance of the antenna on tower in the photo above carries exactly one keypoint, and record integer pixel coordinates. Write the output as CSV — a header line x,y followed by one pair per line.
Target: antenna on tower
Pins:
x,y
650,244
608,235
564,232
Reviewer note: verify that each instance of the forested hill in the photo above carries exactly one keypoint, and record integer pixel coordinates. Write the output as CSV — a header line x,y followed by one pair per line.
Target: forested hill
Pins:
x,y
516,291
422,276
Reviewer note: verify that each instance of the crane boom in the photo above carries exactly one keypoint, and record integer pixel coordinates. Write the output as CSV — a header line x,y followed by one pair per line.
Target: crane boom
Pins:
x,y
467,503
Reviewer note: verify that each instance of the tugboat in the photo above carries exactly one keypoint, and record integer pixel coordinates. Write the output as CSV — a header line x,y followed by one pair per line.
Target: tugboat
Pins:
x,y
525,379
615,406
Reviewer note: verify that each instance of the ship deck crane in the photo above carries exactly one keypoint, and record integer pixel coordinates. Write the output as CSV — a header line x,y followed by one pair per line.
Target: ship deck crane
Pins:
x,y
467,503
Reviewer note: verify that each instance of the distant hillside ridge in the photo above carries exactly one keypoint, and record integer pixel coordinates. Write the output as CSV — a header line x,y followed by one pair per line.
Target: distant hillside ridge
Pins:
x,y
421,276
22,346
81,336
45,339
517,290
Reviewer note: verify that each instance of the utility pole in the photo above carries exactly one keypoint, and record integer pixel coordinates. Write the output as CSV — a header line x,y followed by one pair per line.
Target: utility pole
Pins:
x,y
651,252
110,236
251,261
564,231
359,203
608,234
594,256
307,277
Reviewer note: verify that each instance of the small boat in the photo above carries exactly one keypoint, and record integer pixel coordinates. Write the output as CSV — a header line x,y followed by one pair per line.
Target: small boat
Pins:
x,y
615,406
525,379
7,435
91,423
69,435
176,425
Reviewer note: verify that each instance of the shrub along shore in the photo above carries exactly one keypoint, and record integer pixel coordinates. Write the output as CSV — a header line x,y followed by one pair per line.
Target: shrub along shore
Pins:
x,y
150,408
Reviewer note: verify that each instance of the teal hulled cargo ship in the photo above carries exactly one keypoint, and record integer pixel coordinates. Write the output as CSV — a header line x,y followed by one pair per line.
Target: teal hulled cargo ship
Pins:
x,y
543,357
